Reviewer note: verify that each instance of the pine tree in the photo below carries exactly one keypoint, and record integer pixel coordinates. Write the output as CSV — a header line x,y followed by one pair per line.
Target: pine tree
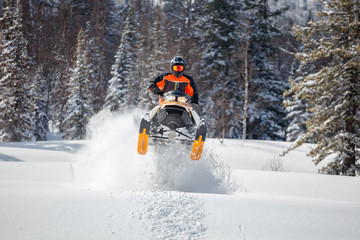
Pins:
x,y
181,15
333,92
16,107
215,31
157,61
159,56
146,99
40,95
95,38
295,106
96,64
78,107
123,90
267,115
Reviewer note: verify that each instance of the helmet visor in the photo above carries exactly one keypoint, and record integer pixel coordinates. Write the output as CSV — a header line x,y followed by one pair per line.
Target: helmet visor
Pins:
x,y
178,68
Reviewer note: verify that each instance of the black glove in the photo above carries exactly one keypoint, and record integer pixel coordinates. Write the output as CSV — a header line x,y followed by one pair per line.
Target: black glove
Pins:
x,y
156,90
195,98
194,101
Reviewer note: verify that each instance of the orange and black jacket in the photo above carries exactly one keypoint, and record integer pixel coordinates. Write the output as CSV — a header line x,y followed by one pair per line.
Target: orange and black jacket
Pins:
x,y
168,81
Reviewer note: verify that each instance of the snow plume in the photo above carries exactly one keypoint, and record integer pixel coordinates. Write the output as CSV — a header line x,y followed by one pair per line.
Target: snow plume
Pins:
x,y
176,171
109,160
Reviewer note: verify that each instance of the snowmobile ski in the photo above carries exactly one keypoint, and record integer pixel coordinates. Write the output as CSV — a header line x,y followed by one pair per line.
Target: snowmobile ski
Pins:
x,y
143,139
199,141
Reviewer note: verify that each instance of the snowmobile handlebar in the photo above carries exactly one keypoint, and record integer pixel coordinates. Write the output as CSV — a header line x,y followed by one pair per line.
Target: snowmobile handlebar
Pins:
x,y
177,96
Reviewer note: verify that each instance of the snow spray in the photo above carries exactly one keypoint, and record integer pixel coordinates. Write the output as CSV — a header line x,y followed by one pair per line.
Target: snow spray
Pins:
x,y
109,161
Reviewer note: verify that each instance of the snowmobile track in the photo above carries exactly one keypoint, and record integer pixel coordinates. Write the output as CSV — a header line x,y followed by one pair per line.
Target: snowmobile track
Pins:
x,y
173,215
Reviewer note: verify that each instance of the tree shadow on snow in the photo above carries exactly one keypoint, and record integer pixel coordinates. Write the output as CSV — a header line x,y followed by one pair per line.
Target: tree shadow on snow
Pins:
x,y
62,146
7,158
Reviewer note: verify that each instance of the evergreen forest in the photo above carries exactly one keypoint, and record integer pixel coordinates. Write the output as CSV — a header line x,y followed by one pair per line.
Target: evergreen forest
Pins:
x,y
260,73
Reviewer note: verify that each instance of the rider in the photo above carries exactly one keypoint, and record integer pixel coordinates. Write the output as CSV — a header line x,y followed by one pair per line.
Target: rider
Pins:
x,y
176,80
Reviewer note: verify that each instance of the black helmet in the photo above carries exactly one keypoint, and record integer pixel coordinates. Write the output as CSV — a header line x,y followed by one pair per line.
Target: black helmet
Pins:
x,y
177,61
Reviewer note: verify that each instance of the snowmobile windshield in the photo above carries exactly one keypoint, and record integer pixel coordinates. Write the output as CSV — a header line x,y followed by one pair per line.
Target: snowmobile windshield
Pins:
x,y
176,96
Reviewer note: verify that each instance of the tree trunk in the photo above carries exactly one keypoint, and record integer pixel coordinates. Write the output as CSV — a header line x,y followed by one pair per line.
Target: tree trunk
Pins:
x,y
246,76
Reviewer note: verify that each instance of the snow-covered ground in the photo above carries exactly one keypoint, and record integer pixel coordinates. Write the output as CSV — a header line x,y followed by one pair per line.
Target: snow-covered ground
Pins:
x,y
101,189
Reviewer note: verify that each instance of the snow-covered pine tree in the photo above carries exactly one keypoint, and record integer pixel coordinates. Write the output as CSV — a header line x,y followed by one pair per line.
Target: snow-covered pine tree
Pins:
x,y
145,16
78,107
146,101
16,107
334,91
181,15
158,60
93,37
40,95
296,107
123,90
216,33
176,11
267,114
59,95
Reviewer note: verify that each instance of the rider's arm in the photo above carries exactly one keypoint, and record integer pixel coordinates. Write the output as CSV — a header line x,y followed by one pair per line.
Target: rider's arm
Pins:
x,y
192,91
154,86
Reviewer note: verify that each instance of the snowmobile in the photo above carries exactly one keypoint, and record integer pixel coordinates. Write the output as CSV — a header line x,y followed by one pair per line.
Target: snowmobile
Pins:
x,y
173,120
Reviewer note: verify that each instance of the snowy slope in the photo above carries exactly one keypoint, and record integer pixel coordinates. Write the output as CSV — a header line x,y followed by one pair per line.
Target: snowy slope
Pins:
x,y
101,189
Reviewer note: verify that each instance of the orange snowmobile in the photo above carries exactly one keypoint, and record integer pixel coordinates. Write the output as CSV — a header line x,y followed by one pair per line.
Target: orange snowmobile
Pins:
x,y
173,119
